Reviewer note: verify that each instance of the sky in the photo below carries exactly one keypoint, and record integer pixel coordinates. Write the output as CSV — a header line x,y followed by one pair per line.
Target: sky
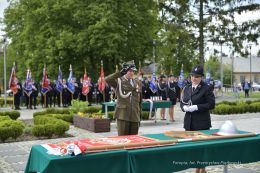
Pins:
x,y
239,18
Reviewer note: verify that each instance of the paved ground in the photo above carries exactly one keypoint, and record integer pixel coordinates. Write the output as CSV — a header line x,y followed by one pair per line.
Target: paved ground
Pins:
x,y
13,156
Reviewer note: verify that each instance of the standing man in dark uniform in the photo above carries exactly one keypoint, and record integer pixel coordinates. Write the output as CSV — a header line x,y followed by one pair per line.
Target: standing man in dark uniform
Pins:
x,y
17,96
107,93
34,94
197,99
91,91
163,92
65,93
174,94
128,91
146,92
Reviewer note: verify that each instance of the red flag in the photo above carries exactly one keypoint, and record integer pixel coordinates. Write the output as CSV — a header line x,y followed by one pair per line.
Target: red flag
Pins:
x,y
85,88
13,81
45,81
101,80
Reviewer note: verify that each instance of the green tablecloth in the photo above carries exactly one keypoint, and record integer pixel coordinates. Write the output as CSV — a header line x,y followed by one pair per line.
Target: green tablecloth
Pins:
x,y
145,105
109,162
165,159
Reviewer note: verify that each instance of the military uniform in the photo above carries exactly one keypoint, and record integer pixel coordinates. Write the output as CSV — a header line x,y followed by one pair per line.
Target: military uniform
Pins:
x,y
128,108
173,91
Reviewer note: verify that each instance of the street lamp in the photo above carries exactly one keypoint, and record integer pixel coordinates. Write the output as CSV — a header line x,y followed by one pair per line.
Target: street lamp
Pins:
x,y
154,56
221,64
5,42
250,47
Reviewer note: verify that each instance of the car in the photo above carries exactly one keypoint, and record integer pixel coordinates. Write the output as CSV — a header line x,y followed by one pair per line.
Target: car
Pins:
x,y
218,84
256,86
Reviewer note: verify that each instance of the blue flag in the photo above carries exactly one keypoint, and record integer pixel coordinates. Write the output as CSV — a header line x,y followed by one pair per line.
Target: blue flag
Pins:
x,y
71,86
181,78
27,86
59,85
153,83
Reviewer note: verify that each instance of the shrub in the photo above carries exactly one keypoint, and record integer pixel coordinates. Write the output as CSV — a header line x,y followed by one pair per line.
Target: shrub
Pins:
x,y
111,115
47,126
52,111
92,109
3,118
145,115
12,114
77,106
10,128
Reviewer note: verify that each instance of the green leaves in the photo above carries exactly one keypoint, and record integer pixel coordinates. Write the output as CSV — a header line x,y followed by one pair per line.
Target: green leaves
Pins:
x,y
81,33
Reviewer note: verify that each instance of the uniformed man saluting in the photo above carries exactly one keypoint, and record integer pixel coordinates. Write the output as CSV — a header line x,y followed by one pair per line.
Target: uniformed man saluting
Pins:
x,y
128,91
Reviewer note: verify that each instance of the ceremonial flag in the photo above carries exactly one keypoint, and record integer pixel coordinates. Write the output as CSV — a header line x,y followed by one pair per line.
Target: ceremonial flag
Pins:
x,y
101,81
27,86
85,87
13,81
71,86
153,83
181,78
45,82
59,85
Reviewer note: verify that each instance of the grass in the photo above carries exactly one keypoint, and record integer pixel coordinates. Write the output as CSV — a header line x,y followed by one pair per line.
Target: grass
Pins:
x,y
253,94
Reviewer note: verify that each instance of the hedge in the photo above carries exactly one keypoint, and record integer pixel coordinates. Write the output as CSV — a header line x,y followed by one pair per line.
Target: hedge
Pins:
x,y
52,111
237,107
145,115
92,109
49,126
12,114
10,128
9,101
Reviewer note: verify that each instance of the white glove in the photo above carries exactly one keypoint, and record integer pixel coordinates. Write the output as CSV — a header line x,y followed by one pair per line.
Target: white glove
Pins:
x,y
186,108
193,108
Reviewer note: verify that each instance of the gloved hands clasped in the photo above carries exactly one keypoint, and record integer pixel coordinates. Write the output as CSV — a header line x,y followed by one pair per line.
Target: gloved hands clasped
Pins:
x,y
190,108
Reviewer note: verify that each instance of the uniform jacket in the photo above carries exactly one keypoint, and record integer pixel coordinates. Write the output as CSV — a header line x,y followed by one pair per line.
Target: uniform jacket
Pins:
x,y
204,98
173,90
128,97
163,90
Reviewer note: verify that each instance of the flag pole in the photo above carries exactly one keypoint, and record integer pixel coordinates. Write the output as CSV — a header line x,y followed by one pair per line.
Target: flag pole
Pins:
x,y
103,92
13,107
60,98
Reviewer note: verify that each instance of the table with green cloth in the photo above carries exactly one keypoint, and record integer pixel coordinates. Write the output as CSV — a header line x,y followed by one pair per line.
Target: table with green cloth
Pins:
x,y
164,159
110,106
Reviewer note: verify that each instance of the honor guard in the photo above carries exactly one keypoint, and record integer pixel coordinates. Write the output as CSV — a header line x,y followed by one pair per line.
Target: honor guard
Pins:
x,y
174,94
163,92
128,91
17,96
34,94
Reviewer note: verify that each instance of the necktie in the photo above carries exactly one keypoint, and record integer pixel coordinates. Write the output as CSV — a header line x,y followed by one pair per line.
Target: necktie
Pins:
x,y
193,89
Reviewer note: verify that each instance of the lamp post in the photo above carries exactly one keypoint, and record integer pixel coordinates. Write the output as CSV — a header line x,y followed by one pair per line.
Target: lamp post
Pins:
x,y
221,64
154,56
5,41
250,47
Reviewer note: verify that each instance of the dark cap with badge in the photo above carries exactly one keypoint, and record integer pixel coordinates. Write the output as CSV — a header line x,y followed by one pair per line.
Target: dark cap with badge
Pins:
x,y
130,65
197,71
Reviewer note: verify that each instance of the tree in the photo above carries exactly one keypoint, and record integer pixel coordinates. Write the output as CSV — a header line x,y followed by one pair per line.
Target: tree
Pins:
x,y
81,33
215,19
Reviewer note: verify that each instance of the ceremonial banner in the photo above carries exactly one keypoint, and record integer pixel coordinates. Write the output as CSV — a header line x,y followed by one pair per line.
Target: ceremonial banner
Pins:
x,y
105,144
27,86
59,85
153,83
13,81
101,80
71,86
181,78
45,82
85,87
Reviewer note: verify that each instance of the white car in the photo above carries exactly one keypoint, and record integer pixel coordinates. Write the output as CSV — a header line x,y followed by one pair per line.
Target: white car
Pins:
x,y
256,86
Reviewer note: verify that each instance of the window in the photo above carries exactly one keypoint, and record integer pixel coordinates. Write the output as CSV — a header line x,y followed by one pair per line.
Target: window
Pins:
x,y
256,78
242,78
